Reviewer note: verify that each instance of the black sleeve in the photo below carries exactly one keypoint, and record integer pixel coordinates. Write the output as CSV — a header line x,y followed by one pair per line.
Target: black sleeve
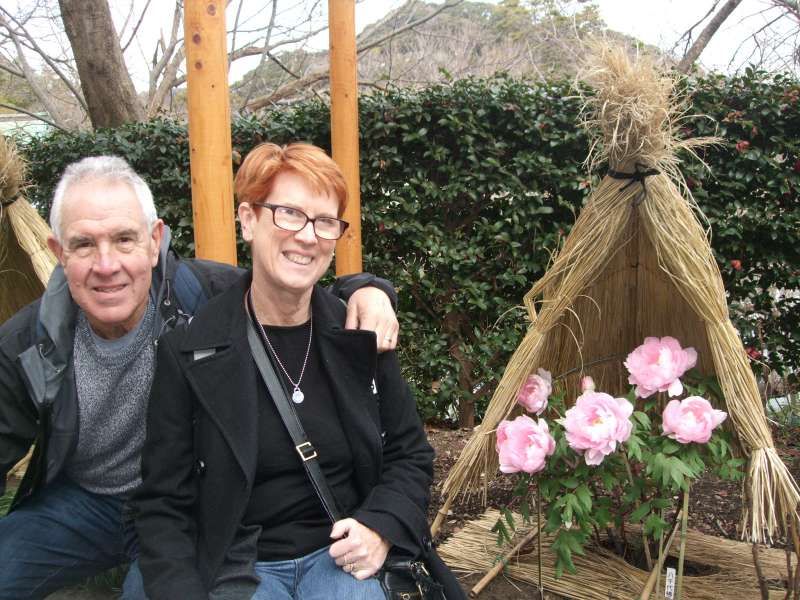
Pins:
x,y
397,506
18,415
164,503
345,285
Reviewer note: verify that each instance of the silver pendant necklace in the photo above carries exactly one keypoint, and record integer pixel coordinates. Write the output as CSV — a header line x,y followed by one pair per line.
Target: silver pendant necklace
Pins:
x,y
297,394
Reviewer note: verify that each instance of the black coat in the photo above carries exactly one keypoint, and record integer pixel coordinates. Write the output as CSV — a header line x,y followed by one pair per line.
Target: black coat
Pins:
x,y
199,458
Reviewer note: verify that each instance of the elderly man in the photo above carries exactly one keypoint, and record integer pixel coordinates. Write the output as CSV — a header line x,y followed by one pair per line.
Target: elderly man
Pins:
x,y
75,372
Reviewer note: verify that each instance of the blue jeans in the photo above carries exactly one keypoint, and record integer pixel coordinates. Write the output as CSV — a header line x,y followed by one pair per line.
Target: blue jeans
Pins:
x,y
313,577
61,536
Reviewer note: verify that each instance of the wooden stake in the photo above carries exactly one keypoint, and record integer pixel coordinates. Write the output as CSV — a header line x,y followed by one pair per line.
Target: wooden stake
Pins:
x,y
210,130
684,524
479,587
344,126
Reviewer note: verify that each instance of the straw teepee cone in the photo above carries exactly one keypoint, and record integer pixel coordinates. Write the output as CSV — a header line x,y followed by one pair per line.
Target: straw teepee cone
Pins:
x,y
25,260
636,263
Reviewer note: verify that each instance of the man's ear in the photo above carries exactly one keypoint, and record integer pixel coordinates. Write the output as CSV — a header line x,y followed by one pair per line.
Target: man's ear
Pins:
x,y
246,218
56,248
156,236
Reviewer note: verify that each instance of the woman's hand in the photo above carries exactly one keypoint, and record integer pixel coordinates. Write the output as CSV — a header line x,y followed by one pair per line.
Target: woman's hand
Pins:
x,y
359,550
369,308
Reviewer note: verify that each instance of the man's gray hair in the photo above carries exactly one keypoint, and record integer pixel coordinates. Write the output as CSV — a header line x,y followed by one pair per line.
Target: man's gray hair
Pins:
x,y
101,168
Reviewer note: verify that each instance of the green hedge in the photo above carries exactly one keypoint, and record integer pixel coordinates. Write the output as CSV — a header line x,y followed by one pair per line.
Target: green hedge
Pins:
x,y
467,189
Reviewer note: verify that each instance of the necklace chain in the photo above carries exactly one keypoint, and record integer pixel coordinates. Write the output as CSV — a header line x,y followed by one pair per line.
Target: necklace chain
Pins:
x,y
297,394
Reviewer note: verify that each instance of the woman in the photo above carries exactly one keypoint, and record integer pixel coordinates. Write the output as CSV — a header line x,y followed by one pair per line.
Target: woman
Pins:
x,y
225,494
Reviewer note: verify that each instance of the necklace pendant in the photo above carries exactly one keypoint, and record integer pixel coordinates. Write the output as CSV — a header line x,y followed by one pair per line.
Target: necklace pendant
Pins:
x,y
298,396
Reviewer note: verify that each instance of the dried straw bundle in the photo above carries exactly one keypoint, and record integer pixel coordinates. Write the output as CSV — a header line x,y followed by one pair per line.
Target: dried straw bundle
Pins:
x,y
635,265
602,575
25,260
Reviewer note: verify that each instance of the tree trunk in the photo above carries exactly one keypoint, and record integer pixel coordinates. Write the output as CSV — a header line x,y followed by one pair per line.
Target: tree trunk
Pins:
x,y
705,36
107,86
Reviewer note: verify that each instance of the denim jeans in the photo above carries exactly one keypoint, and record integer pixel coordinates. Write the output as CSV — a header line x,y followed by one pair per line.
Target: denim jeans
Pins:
x,y
313,577
61,536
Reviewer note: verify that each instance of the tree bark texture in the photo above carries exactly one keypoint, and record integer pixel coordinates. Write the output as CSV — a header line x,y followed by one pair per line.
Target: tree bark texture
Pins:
x,y
106,84
705,36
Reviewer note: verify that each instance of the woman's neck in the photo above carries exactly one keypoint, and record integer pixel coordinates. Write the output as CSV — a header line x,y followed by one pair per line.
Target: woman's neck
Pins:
x,y
279,307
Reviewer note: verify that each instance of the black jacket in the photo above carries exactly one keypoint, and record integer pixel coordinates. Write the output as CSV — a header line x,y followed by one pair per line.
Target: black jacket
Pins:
x,y
38,398
199,458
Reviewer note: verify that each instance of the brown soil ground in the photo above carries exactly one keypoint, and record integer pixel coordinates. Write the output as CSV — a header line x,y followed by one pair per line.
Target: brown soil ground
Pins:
x,y
715,506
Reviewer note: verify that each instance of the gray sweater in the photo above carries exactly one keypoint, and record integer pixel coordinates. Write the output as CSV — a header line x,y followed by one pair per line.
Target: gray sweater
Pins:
x,y
113,380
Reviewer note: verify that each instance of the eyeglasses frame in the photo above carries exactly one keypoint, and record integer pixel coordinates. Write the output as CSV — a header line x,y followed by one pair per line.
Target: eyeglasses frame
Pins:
x,y
272,208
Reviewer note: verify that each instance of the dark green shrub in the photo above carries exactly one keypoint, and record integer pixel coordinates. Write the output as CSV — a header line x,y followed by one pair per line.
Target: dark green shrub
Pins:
x,y
467,189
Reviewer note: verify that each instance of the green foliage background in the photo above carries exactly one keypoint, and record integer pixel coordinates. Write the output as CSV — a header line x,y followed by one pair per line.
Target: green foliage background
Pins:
x,y
467,189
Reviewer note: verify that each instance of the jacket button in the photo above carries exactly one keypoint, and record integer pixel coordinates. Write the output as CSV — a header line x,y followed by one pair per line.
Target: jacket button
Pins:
x,y
200,468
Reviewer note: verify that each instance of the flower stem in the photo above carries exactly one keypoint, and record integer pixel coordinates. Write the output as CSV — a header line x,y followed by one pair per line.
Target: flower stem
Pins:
x,y
645,542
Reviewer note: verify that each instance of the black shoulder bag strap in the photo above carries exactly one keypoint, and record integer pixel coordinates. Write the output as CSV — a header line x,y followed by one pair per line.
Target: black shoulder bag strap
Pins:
x,y
399,579
290,420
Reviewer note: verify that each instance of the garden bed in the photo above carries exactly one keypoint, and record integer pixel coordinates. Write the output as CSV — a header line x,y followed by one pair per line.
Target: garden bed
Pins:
x,y
714,509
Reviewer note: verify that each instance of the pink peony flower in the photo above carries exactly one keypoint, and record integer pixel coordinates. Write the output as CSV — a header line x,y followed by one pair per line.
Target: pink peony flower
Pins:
x,y
596,424
691,420
658,364
587,384
534,392
523,444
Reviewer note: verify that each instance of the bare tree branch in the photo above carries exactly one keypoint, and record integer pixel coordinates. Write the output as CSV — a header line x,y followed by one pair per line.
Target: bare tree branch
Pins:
x,y
32,78
50,62
31,114
135,29
705,36
308,80
411,25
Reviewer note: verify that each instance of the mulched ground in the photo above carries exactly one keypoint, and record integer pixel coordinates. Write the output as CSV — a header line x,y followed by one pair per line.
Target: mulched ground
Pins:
x,y
715,506
715,509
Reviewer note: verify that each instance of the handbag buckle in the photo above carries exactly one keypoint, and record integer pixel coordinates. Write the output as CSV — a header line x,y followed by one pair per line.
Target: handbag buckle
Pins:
x,y
306,451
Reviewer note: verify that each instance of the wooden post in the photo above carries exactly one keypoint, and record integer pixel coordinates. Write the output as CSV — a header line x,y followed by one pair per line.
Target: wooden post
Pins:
x,y
344,126
210,130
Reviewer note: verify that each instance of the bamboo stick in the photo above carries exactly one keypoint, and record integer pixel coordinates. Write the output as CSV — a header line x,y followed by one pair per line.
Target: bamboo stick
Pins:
x,y
654,574
441,515
682,553
486,579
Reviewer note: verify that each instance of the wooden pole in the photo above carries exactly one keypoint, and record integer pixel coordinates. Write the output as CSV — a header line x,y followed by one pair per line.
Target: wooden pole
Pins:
x,y
344,126
210,130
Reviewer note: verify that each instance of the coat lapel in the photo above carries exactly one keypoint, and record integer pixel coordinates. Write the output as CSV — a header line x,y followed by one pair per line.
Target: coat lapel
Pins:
x,y
222,374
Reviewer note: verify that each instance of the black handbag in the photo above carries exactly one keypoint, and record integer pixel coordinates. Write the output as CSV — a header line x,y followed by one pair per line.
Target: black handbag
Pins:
x,y
401,578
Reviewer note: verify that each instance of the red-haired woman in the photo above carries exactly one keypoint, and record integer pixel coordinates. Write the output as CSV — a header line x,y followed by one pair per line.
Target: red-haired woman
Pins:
x,y
227,508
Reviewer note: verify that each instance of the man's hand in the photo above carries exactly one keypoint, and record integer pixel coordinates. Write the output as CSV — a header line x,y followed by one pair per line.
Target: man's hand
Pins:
x,y
359,550
370,309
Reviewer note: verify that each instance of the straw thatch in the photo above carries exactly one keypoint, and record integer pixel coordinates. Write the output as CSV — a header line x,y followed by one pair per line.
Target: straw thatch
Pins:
x,y
602,575
25,260
637,263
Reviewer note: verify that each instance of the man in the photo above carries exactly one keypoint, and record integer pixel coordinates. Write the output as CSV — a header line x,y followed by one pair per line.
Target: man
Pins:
x,y
75,372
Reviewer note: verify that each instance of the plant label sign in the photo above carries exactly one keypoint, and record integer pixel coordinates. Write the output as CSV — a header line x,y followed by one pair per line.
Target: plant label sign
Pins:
x,y
669,584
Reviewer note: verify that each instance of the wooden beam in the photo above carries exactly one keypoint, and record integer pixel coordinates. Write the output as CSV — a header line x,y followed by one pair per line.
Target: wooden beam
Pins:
x,y
210,130
344,126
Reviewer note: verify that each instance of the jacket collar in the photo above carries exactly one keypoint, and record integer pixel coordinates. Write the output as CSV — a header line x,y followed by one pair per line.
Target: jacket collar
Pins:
x,y
226,382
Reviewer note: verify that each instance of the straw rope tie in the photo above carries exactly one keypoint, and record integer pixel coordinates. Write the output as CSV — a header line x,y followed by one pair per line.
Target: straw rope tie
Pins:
x,y
640,175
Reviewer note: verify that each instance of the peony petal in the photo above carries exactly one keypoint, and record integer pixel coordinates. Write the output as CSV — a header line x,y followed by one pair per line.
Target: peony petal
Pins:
x,y
675,388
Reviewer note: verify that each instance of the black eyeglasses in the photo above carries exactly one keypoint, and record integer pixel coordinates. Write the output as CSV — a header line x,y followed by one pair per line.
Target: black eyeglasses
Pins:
x,y
293,219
